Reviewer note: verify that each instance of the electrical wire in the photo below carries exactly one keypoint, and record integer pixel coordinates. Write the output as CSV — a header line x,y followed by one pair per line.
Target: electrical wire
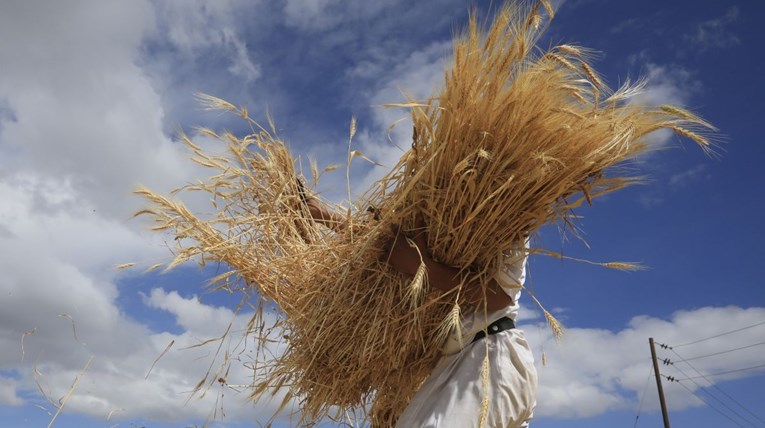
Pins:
x,y
705,377
724,352
645,388
710,405
719,388
667,361
687,377
722,373
718,335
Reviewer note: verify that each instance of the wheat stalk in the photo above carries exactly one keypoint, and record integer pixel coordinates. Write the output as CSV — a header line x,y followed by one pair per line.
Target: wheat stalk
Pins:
x,y
515,139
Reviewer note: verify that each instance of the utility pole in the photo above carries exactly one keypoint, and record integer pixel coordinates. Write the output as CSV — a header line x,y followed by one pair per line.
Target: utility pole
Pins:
x,y
658,384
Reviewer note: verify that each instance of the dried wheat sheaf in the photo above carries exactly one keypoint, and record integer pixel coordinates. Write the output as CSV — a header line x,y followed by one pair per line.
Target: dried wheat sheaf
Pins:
x,y
515,140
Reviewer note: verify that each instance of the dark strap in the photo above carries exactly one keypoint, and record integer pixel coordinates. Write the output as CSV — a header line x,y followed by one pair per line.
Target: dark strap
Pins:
x,y
501,324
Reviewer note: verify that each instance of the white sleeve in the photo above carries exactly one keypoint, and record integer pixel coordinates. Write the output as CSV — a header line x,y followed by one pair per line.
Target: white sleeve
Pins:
x,y
511,273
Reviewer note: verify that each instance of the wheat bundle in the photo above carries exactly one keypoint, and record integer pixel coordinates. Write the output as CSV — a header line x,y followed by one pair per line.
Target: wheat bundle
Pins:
x,y
515,140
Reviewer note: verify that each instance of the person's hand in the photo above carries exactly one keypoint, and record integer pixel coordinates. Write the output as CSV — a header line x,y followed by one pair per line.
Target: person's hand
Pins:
x,y
405,258
407,253
322,215
314,206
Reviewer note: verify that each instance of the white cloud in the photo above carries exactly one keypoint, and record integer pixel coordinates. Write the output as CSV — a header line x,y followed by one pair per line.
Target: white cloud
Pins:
x,y
83,112
312,14
684,178
85,129
419,76
82,126
714,33
323,15
197,28
191,314
8,394
163,395
656,195
629,24
666,84
242,65
591,371
58,280
650,200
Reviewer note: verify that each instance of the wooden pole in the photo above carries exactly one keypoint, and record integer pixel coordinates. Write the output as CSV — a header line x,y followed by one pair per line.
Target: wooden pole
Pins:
x,y
658,383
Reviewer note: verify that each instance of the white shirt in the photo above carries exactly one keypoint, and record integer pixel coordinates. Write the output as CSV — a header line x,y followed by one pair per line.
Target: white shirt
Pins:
x,y
510,276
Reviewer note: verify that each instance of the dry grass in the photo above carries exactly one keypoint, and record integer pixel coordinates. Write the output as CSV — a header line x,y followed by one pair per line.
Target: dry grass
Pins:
x,y
514,141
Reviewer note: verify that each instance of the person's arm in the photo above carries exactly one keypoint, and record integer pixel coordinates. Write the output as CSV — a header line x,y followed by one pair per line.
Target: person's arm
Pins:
x,y
322,215
406,259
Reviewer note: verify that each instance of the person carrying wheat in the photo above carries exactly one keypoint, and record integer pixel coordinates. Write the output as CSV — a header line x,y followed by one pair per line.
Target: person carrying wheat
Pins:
x,y
456,394
515,140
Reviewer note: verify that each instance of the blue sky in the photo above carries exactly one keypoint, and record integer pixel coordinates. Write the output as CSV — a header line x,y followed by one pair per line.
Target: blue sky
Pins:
x,y
93,93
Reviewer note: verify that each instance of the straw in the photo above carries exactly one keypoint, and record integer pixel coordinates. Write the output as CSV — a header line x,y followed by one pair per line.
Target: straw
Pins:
x,y
514,141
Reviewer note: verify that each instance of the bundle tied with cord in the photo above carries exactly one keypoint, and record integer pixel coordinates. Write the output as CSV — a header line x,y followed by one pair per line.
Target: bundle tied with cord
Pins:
x,y
514,141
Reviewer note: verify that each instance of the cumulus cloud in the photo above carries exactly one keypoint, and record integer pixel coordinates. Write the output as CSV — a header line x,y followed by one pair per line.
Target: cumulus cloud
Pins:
x,y
668,84
58,281
159,392
8,394
191,314
86,125
419,77
82,126
591,371
83,112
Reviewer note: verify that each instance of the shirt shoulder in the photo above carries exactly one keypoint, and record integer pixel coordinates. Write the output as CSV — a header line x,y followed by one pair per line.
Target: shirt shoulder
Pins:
x,y
511,271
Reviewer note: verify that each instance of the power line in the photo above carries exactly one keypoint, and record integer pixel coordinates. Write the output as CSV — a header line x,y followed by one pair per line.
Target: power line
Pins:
x,y
645,387
717,335
710,405
667,361
692,379
673,379
724,352
722,373
719,388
